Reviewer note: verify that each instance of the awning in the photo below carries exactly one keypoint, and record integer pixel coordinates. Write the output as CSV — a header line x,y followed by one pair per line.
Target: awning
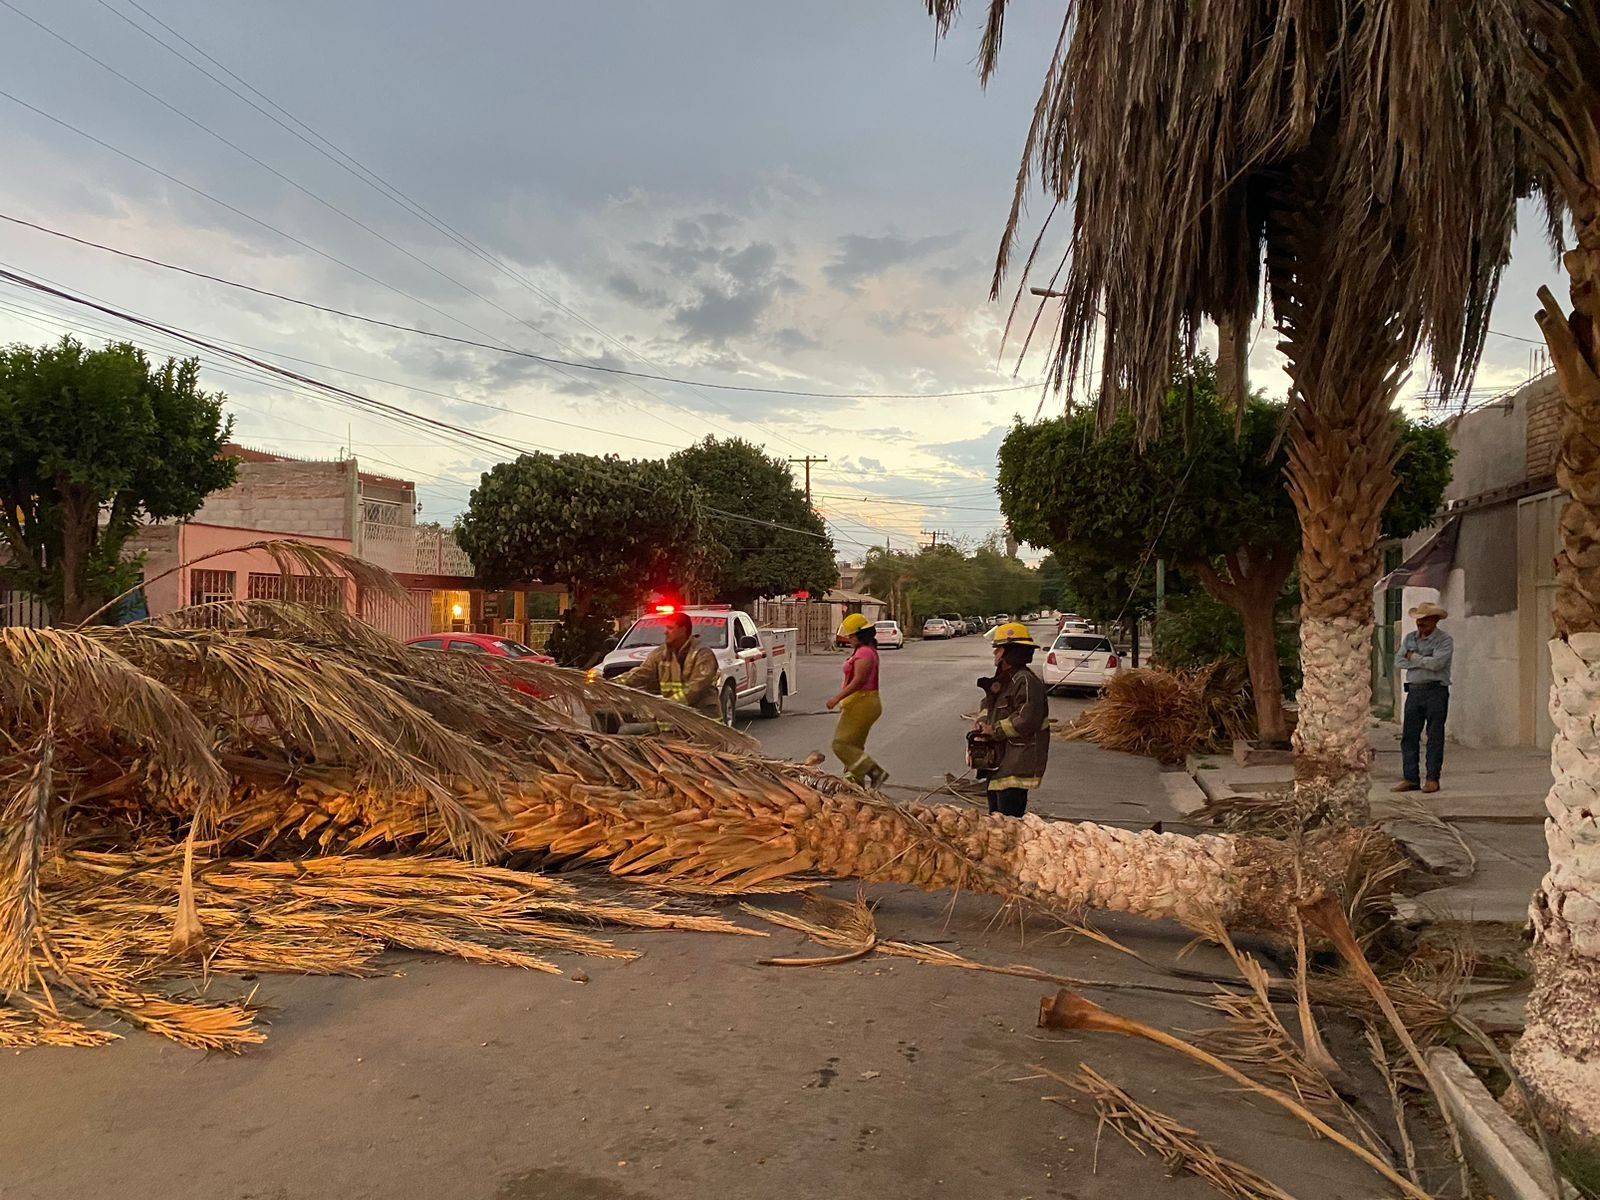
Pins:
x,y
1430,566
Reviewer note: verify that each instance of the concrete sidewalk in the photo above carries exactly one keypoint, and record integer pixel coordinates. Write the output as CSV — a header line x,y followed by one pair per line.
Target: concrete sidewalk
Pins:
x,y
1479,839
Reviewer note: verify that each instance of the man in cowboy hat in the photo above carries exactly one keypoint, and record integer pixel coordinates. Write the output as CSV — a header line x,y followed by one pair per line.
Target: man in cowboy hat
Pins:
x,y
1425,657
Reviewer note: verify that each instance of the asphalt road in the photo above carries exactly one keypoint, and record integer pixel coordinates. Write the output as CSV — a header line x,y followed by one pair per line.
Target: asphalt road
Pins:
x,y
693,1071
921,737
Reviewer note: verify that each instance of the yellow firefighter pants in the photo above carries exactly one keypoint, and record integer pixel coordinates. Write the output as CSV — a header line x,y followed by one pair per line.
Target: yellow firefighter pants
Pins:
x,y
857,712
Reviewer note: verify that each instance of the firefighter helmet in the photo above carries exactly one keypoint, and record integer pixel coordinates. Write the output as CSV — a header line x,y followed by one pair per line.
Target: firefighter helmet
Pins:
x,y
853,624
1013,633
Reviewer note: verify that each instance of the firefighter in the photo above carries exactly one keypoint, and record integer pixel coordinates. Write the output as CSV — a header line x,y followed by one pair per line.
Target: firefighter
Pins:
x,y
680,669
1015,708
858,703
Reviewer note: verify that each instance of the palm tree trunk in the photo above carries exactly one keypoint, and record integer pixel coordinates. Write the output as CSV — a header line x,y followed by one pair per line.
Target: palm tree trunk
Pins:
x,y
1341,474
1251,589
1559,1054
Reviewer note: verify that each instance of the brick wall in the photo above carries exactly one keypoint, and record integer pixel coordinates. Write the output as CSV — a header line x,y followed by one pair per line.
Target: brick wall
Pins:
x,y
305,498
1544,428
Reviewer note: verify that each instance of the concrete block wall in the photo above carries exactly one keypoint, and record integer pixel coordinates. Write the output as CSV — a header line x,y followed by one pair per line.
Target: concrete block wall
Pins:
x,y
305,498
1544,428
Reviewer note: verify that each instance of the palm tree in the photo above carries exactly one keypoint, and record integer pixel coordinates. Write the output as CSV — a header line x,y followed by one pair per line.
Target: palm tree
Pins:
x,y
1348,161
1559,1054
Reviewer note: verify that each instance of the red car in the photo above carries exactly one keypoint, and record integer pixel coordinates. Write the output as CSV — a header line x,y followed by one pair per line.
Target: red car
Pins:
x,y
478,643
487,645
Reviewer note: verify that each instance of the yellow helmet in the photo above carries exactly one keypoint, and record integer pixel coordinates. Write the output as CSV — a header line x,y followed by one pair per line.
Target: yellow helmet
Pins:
x,y
853,624
1013,633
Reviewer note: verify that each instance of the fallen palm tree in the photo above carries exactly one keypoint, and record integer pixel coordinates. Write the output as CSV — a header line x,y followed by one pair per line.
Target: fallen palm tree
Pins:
x,y
269,733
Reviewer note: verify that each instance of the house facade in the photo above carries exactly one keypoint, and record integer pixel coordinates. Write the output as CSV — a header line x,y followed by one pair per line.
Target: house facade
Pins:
x,y
1490,560
338,505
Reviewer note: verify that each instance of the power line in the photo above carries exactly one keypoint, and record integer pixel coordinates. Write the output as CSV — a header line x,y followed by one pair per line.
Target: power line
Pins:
x,y
353,398
349,163
528,354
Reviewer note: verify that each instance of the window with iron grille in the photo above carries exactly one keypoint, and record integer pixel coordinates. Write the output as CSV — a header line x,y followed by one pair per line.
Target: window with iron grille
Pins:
x,y
211,587
316,591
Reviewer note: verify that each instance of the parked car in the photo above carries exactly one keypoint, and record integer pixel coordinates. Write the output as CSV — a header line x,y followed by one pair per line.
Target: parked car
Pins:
x,y
1080,661
935,628
478,643
492,650
957,623
889,635
757,665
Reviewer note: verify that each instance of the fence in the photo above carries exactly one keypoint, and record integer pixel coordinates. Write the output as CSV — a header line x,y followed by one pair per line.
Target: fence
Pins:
x,y
813,619
401,619
21,608
535,634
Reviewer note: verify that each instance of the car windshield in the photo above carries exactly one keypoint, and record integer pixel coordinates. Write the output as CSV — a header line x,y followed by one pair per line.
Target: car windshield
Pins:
x,y
514,649
652,631
887,625
1081,642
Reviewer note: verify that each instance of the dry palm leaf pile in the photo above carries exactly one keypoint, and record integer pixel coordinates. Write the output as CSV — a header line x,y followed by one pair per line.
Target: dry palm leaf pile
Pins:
x,y
266,787
1169,714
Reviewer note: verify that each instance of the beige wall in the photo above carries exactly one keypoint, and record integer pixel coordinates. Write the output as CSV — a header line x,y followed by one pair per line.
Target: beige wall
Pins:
x,y
302,499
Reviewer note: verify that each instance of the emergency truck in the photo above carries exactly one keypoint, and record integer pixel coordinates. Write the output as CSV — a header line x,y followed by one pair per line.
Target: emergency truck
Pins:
x,y
756,666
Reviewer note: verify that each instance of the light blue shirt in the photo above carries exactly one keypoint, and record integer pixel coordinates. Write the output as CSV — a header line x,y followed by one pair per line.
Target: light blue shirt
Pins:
x,y
1434,652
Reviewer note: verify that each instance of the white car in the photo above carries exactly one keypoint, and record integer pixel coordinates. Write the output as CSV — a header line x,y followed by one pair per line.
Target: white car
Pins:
x,y
1080,660
889,635
937,627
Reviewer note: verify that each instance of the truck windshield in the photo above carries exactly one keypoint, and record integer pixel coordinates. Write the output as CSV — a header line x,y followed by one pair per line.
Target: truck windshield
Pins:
x,y
652,631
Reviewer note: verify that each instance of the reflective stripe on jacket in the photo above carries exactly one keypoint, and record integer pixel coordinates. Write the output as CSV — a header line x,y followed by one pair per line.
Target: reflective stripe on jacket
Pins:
x,y
691,680
1019,712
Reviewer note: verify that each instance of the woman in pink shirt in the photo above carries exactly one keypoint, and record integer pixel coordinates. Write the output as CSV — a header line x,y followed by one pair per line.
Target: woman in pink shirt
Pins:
x,y
858,704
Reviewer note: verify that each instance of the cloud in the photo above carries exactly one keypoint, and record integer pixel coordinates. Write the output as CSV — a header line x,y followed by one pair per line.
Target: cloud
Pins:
x,y
859,257
794,340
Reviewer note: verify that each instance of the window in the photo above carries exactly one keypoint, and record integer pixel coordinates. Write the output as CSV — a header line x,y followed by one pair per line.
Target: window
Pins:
x,y
1082,643
743,629
428,644
652,631
211,587
316,591
461,646
512,649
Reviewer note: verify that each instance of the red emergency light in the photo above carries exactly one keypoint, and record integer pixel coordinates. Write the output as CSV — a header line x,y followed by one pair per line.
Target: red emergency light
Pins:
x,y
802,595
666,609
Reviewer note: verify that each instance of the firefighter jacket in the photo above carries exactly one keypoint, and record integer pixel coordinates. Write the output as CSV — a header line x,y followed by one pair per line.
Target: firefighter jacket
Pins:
x,y
690,678
1016,707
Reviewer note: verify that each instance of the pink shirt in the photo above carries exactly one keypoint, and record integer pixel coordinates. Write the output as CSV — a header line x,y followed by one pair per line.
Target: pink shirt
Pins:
x,y
870,656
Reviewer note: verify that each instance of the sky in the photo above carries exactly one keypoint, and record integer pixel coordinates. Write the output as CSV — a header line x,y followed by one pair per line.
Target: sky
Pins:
x,y
712,190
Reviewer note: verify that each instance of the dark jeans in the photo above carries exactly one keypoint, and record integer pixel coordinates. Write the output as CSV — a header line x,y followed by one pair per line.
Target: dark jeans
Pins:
x,y
1426,706
1009,802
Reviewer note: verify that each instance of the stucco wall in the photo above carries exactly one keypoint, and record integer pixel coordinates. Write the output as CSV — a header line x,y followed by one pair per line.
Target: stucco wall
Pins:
x,y
1491,447
304,499
1485,687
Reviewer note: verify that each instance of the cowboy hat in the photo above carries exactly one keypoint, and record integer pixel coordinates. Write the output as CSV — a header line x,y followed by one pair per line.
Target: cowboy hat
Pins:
x,y
1427,609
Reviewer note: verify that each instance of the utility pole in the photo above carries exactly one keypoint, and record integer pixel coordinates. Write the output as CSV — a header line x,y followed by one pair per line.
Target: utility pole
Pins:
x,y
936,534
808,460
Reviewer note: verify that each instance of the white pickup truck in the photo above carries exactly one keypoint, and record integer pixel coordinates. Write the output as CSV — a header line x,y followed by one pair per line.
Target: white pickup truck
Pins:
x,y
757,665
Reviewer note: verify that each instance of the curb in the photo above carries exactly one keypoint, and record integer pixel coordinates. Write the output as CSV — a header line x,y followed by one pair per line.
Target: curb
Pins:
x,y
1508,1161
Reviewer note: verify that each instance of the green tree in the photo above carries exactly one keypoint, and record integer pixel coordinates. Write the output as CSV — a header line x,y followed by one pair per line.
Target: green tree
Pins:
x,y
609,528
92,442
942,580
887,574
1207,495
754,557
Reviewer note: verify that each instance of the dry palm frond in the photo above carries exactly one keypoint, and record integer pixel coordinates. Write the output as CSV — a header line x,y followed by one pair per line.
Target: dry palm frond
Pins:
x,y
850,924
24,821
107,917
1067,1011
1168,714
1177,1144
1180,135
86,689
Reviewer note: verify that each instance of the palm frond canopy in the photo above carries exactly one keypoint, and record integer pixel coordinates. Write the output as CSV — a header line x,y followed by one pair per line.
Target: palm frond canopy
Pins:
x,y
1212,148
